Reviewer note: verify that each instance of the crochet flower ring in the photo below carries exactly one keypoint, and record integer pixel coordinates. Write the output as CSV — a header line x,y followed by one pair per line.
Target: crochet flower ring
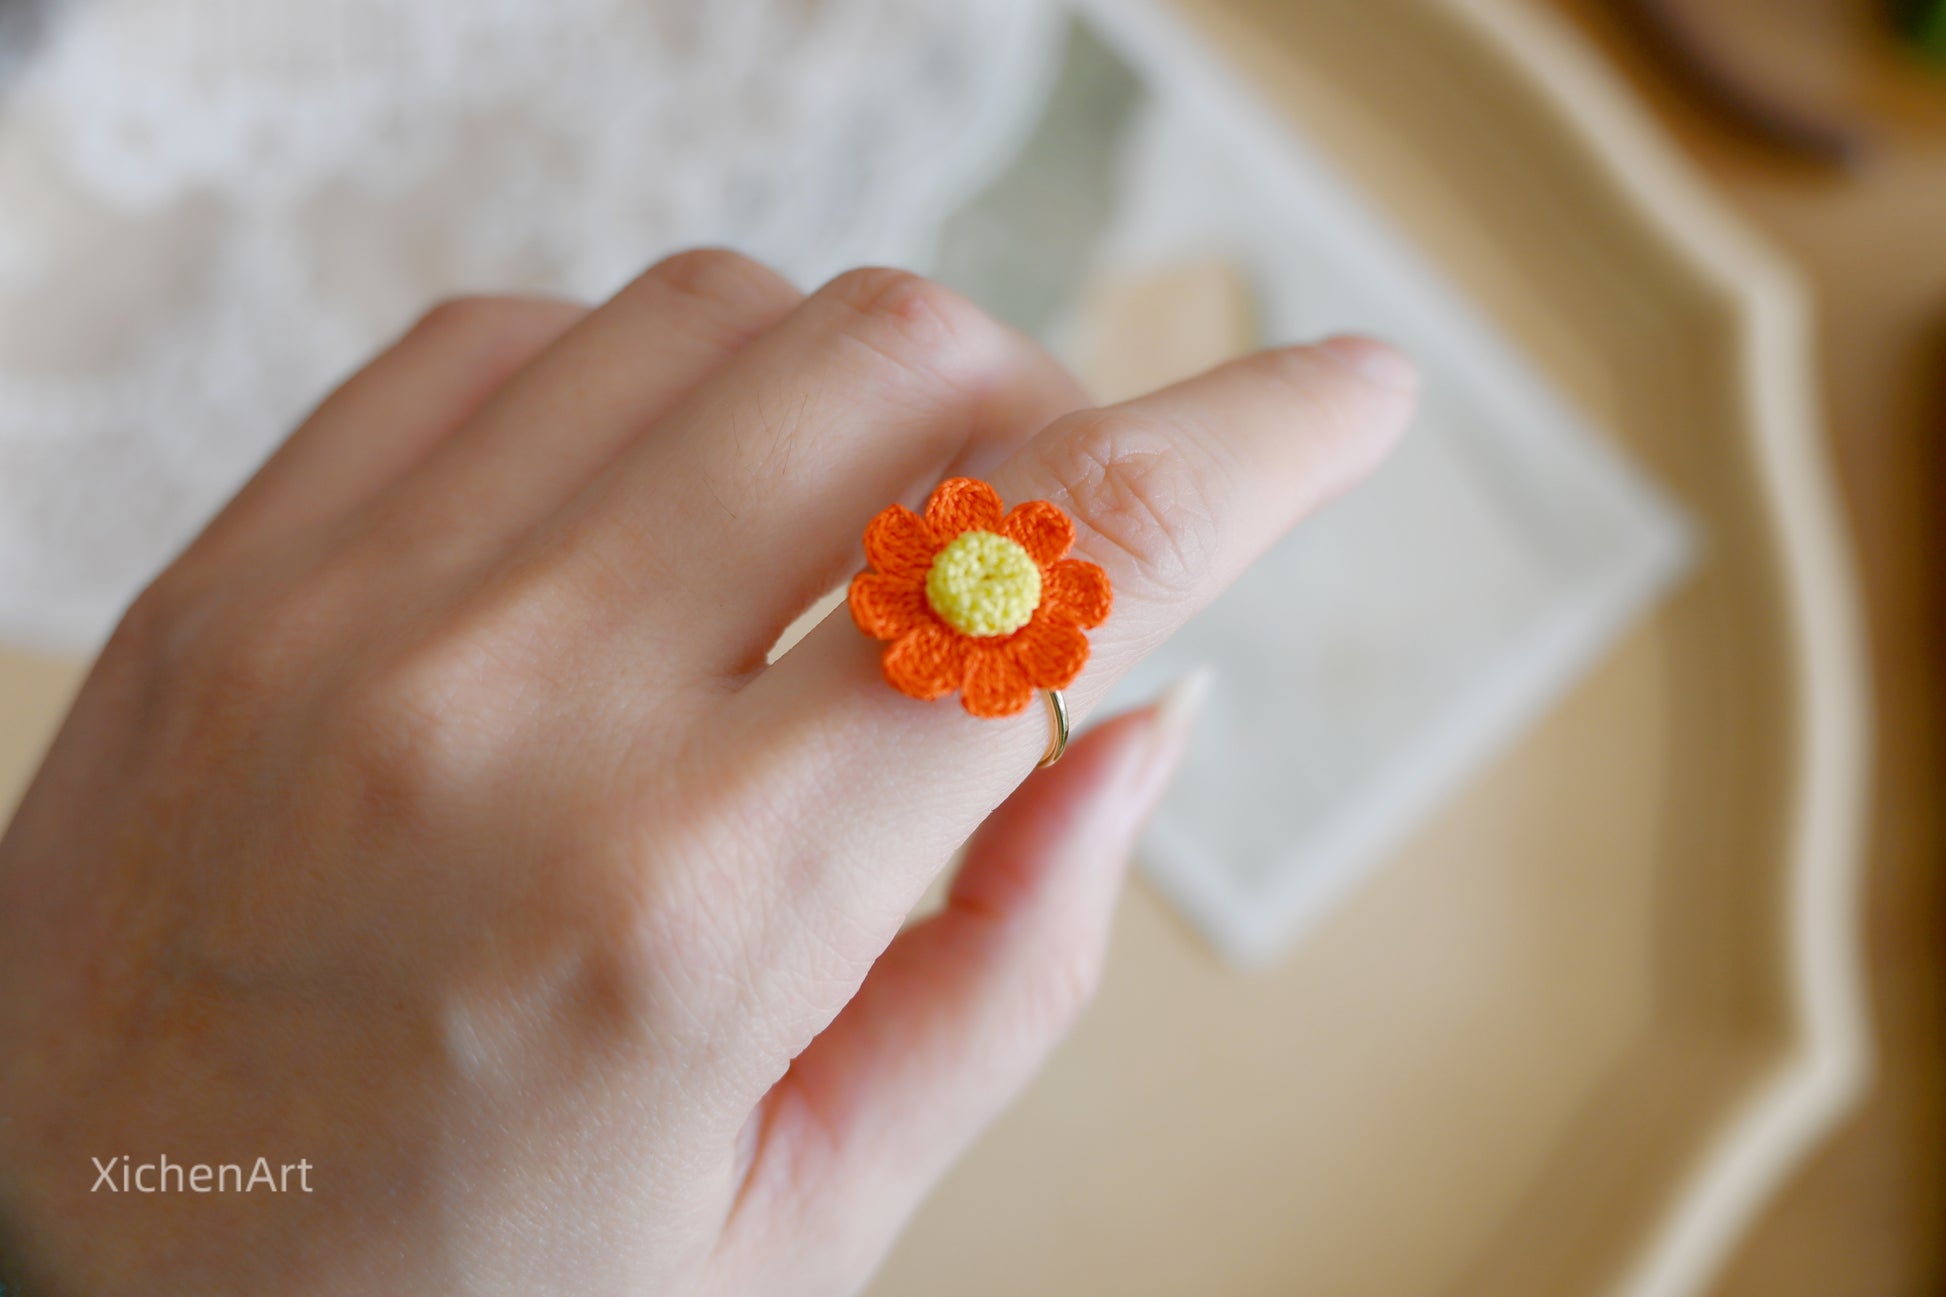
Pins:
x,y
978,600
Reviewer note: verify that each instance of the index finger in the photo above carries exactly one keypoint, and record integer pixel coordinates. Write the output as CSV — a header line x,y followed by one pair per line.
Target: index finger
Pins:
x,y
1173,495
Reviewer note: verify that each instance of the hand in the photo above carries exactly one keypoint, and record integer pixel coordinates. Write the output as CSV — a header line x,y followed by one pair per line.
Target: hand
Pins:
x,y
434,821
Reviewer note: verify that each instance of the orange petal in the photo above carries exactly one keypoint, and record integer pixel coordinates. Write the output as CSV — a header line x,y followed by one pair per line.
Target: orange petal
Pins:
x,y
899,543
886,607
962,504
996,684
927,662
1076,592
1041,529
1050,653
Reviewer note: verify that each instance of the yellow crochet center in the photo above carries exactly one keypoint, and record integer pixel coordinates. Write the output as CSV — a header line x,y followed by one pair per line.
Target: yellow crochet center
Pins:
x,y
984,584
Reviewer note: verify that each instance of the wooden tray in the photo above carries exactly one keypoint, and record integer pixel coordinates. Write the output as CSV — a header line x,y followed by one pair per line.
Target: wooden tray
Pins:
x,y
1576,1032
1579,1030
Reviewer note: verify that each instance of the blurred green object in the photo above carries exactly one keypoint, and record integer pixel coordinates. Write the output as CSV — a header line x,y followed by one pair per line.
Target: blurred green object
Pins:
x,y
1924,24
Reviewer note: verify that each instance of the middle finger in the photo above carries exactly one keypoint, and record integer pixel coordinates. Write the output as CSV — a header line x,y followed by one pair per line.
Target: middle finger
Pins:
x,y
736,514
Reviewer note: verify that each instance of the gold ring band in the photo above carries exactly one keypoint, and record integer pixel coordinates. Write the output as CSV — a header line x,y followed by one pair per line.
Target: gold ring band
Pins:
x,y
1057,727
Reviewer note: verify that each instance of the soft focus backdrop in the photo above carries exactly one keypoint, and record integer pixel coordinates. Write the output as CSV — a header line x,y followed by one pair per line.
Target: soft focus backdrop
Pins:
x,y
1868,1217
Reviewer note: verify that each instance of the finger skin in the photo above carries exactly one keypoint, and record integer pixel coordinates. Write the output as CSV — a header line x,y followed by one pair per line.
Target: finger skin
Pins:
x,y
1177,492
388,416
965,1006
750,491
604,385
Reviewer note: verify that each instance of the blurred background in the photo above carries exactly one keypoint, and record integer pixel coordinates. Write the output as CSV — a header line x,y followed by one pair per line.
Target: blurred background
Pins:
x,y
1865,1215
1552,902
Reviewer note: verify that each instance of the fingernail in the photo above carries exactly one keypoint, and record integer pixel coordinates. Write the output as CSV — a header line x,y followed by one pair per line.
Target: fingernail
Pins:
x,y
1374,361
1176,710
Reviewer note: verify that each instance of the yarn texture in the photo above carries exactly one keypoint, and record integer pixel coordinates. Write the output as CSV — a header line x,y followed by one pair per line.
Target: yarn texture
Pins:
x,y
978,599
984,584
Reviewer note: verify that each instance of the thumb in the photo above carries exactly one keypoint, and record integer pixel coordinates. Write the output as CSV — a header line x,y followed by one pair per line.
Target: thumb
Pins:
x,y
964,1007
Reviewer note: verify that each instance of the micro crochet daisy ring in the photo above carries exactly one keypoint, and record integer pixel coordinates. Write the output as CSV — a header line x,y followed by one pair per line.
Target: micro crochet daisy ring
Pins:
x,y
981,600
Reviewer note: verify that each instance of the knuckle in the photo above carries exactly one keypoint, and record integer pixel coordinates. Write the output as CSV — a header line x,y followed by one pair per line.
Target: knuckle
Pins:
x,y
625,974
411,724
668,940
467,316
504,329
664,925
389,731
691,897
915,323
270,639
721,278
1139,489
873,290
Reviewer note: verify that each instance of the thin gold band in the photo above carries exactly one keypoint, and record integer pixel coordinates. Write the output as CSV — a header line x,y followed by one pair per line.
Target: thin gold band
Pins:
x,y
1057,727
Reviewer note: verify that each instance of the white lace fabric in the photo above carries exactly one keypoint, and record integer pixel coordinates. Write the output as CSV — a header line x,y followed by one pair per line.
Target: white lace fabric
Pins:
x,y
212,209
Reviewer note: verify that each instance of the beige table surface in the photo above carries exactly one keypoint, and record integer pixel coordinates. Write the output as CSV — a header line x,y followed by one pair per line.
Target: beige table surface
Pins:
x,y
1867,1218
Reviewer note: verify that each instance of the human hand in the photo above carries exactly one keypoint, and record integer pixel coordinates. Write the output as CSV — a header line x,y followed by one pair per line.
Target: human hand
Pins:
x,y
435,822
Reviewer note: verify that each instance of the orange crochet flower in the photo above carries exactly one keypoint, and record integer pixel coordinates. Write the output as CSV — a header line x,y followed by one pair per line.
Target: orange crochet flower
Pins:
x,y
972,600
